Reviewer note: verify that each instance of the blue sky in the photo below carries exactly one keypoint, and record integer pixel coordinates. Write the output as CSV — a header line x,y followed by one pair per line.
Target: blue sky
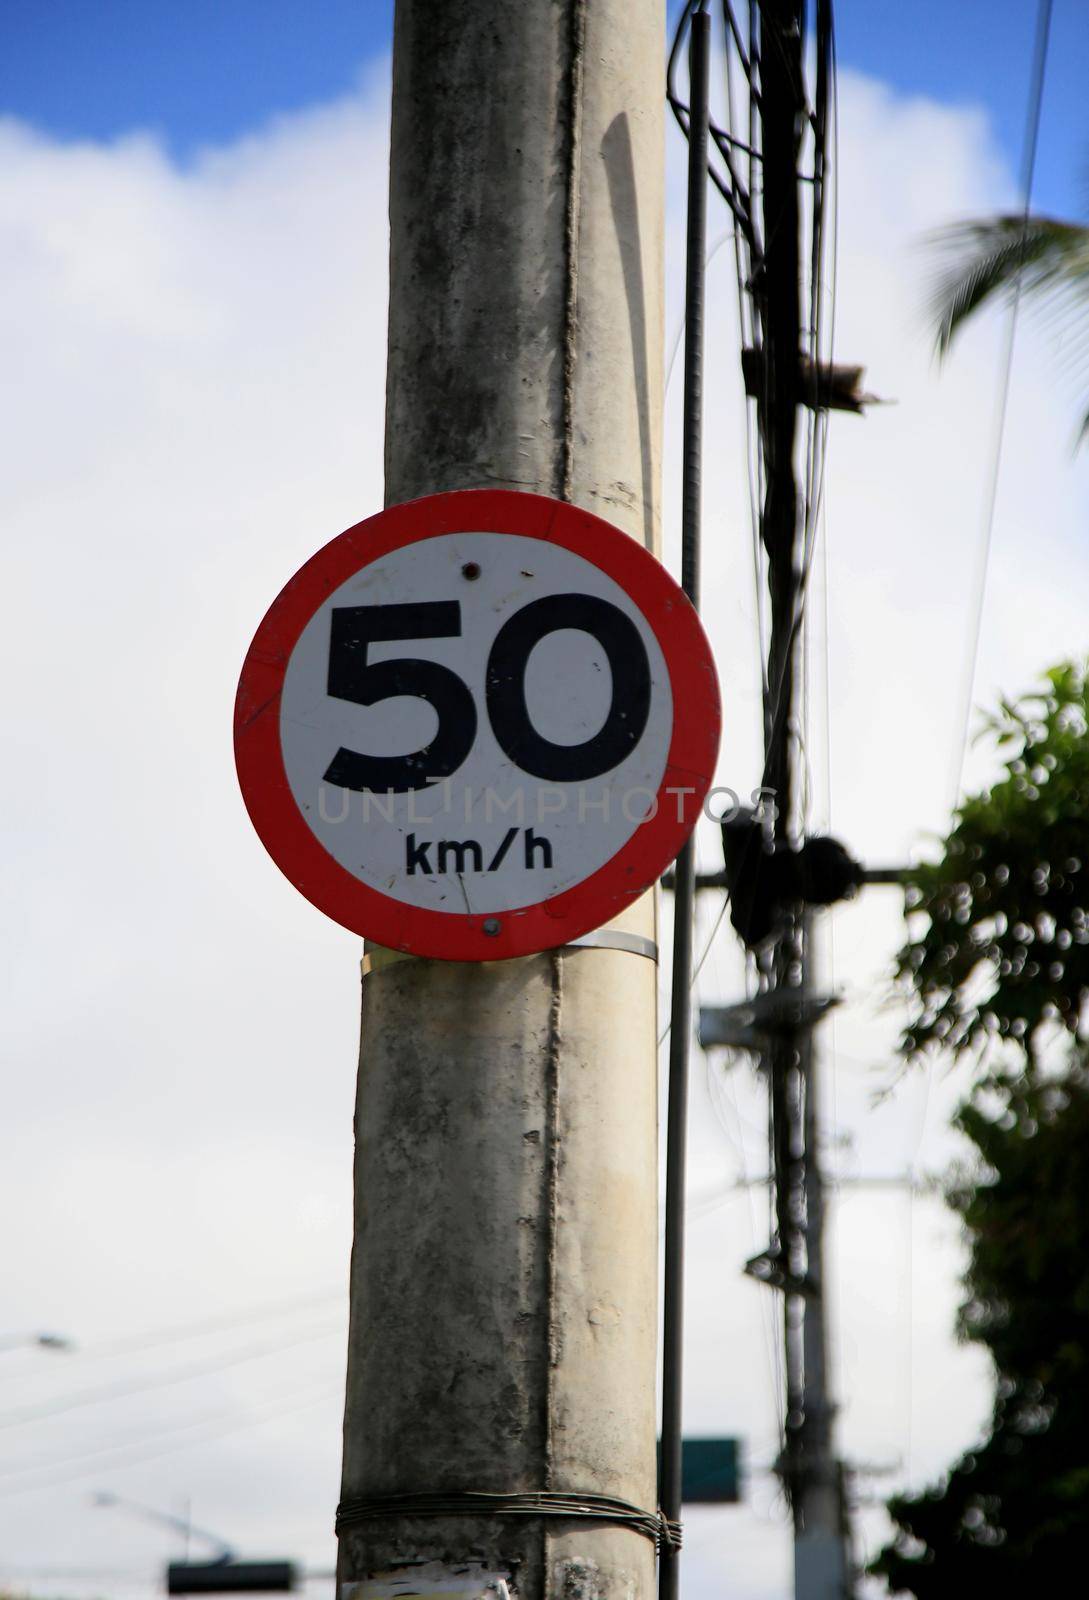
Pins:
x,y
979,52
198,71
201,72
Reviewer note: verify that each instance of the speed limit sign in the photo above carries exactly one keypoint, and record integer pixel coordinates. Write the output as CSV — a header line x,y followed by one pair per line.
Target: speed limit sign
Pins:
x,y
477,725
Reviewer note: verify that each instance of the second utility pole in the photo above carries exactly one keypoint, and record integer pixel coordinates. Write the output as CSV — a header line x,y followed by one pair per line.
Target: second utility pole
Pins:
x,y
810,1470
503,1304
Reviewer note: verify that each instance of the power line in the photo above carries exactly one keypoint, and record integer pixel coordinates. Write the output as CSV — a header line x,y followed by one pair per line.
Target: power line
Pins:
x,y
30,1469
1028,169
674,349
196,1369
212,1428
698,968
181,1333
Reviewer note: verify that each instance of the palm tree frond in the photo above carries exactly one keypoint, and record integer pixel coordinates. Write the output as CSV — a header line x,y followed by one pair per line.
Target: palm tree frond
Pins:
x,y
985,259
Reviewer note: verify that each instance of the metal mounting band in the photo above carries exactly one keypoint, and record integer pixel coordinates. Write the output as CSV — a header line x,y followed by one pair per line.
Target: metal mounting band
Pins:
x,y
613,939
375,957
543,1503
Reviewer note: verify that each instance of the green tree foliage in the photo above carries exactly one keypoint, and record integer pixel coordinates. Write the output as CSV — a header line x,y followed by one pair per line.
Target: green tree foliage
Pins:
x,y
997,965
986,260
1005,946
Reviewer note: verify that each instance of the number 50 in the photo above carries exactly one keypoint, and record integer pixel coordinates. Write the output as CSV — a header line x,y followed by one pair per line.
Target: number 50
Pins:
x,y
352,677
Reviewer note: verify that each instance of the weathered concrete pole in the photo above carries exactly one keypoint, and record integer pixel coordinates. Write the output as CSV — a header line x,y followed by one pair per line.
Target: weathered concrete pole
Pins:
x,y
503,1313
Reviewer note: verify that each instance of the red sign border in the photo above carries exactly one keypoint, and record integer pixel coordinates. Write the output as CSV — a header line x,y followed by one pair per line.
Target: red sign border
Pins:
x,y
451,935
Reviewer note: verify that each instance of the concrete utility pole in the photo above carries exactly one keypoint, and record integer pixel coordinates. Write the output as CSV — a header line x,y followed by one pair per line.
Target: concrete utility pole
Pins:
x,y
773,874
821,1536
810,1470
503,1301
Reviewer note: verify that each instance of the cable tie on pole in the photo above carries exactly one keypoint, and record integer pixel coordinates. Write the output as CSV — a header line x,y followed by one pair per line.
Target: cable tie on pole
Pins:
x,y
654,1525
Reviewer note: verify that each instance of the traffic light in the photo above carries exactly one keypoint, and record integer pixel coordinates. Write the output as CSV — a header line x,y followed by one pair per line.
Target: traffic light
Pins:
x,y
231,1577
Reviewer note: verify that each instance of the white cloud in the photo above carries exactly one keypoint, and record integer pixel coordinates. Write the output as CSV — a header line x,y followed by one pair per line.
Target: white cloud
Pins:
x,y
198,405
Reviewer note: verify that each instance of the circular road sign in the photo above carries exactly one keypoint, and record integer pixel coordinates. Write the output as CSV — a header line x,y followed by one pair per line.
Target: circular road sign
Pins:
x,y
477,725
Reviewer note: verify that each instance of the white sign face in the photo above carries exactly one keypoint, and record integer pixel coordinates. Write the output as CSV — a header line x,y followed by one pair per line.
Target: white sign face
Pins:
x,y
477,725
465,826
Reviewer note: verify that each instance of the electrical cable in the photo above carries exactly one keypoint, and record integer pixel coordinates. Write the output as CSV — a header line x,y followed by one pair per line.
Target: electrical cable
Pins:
x,y
181,1333
1033,118
1028,169
817,417
732,190
571,1505
141,1455
679,335
167,1430
698,968
792,642
746,339
771,1344
197,1369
